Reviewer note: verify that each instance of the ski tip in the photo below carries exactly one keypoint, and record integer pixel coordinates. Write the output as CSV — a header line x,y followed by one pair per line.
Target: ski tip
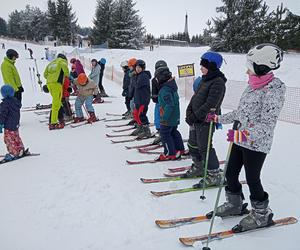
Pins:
x,y
161,224
186,241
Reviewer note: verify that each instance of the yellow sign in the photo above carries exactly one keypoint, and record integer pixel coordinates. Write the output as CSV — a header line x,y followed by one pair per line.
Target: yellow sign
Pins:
x,y
186,70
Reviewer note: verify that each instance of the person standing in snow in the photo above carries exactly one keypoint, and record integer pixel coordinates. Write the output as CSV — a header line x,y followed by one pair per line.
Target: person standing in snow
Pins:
x,y
30,53
102,63
257,115
125,92
55,73
95,75
208,96
169,111
87,88
10,73
132,76
141,100
154,96
10,121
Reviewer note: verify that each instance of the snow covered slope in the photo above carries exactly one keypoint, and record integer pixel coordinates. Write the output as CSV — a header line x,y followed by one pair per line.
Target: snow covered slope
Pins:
x,y
79,194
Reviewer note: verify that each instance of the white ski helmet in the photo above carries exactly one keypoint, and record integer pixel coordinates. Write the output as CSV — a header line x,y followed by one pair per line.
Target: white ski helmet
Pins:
x,y
263,58
124,64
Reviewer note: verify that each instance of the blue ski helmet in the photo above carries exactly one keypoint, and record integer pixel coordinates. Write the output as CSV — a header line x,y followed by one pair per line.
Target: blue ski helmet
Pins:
x,y
7,91
212,58
103,60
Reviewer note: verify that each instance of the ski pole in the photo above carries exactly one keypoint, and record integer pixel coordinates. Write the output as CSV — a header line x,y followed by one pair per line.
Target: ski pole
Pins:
x,y
38,75
31,79
236,124
202,197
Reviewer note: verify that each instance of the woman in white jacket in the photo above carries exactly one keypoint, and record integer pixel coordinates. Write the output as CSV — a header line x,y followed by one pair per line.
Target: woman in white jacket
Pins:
x,y
257,114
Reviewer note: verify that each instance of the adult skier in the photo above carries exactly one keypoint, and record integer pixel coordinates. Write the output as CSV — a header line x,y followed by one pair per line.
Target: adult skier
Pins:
x,y
10,73
55,73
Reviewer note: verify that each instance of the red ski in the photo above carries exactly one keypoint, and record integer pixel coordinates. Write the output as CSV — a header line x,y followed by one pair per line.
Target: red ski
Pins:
x,y
181,169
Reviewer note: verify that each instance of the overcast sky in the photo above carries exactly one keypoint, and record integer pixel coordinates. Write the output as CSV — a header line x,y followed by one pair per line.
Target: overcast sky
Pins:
x,y
159,16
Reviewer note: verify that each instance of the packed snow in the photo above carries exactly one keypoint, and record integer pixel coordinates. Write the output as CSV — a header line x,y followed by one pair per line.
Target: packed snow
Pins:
x,y
79,194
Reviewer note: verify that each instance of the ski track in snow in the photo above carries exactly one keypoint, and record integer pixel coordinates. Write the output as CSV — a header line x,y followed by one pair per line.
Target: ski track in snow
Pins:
x,y
79,194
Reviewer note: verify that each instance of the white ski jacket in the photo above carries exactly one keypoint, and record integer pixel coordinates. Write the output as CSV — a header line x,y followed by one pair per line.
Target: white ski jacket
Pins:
x,y
258,111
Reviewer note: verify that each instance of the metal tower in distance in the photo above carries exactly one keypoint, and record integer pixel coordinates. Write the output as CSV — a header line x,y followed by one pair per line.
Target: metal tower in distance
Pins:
x,y
186,30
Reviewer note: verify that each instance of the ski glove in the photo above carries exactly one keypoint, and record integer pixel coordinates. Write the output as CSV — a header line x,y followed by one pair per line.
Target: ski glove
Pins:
x,y
21,89
211,117
70,90
124,93
1,128
237,136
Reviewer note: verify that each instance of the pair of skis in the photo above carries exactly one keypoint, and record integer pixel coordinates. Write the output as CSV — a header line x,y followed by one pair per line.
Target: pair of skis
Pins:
x,y
76,125
190,241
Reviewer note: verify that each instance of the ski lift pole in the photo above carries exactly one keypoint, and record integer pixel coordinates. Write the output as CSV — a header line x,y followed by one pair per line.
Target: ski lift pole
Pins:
x,y
38,75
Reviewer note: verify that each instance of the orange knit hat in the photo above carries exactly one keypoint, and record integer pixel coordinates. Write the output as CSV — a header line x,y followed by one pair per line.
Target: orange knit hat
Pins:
x,y
82,79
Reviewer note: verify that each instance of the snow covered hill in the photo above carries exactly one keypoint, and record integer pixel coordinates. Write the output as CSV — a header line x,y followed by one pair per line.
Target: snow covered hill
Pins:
x,y
79,194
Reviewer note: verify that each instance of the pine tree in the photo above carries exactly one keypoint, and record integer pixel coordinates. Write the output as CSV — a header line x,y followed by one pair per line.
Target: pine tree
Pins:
x,y
3,27
66,20
52,19
14,24
127,28
241,26
102,21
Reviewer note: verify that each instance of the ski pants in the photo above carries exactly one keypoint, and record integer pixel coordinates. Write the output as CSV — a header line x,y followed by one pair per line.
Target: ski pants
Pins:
x,y
100,85
127,103
18,95
171,139
252,162
140,115
88,101
13,142
197,144
66,106
55,90
157,116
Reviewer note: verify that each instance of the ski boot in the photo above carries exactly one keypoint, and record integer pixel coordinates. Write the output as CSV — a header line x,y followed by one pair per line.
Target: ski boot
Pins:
x,y
9,157
136,131
260,216
92,117
196,170
78,119
144,132
157,141
56,126
213,178
233,205
128,112
163,157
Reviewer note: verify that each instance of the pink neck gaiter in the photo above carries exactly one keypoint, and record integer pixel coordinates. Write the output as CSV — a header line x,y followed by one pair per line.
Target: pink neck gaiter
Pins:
x,y
257,82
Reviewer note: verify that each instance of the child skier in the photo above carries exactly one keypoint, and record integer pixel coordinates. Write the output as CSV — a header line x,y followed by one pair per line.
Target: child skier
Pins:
x,y
154,96
125,92
209,95
132,76
95,76
168,100
142,99
86,91
10,121
102,63
257,114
